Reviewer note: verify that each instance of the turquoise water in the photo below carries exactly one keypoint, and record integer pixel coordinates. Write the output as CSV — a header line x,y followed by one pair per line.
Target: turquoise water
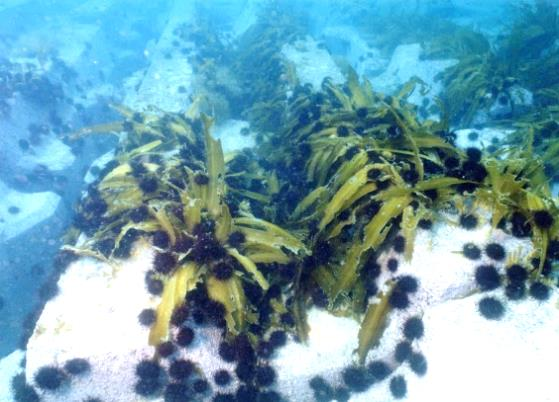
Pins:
x,y
486,72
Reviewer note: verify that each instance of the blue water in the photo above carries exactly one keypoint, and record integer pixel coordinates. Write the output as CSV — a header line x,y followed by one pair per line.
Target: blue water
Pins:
x,y
64,63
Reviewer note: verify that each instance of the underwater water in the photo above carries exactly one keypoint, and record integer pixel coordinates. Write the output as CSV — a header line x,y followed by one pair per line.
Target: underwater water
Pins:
x,y
258,200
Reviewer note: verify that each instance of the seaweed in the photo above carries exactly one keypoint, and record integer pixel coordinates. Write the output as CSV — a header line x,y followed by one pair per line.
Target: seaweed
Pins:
x,y
373,324
259,68
362,185
338,174
518,185
473,84
176,287
537,132
531,37
456,42
525,57
186,208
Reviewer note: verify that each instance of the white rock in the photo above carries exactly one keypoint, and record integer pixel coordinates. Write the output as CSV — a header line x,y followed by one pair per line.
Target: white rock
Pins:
x,y
161,85
10,366
485,137
312,64
95,317
98,163
53,37
33,209
246,19
405,64
92,95
444,274
52,153
365,60
229,133
473,358
514,100
521,96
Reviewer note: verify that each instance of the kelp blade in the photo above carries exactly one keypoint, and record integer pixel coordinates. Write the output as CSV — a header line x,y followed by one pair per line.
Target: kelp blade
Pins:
x,y
373,325
176,288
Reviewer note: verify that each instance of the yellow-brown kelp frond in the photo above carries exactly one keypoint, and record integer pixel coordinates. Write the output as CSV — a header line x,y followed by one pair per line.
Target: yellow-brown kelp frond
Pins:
x,y
368,162
260,68
538,131
524,56
518,190
173,190
358,168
